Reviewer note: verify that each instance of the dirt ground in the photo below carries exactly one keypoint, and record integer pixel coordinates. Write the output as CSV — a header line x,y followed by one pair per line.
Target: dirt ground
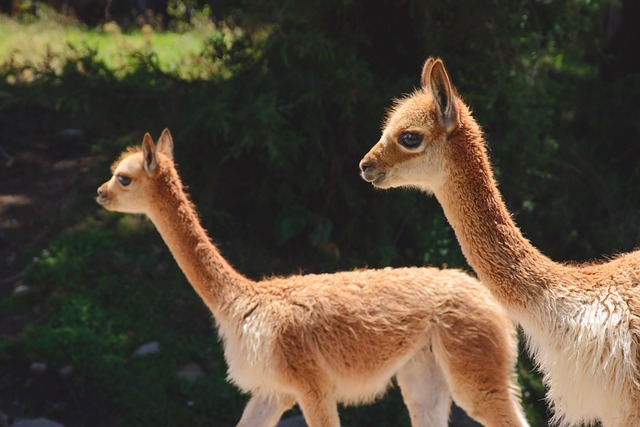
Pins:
x,y
43,179
47,182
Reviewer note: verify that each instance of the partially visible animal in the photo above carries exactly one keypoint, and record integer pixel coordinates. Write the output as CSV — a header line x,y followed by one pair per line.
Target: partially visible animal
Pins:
x,y
582,322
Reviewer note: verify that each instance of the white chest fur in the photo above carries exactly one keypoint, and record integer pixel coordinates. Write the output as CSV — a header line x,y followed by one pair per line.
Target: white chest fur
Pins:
x,y
249,351
586,352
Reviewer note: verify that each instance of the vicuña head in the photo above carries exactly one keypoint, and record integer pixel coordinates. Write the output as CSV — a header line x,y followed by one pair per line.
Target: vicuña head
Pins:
x,y
131,188
582,323
323,339
411,151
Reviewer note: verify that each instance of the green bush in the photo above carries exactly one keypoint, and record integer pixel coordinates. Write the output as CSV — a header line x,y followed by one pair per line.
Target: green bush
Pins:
x,y
287,98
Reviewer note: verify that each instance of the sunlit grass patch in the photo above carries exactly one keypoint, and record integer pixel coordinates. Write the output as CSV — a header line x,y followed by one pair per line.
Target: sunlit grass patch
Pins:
x,y
48,45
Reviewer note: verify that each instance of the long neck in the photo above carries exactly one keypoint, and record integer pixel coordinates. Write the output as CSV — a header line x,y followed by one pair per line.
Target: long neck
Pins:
x,y
493,245
215,281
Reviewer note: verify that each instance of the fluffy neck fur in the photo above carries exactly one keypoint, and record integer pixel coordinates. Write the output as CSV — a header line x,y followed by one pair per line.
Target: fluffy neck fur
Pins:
x,y
580,321
173,214
494,246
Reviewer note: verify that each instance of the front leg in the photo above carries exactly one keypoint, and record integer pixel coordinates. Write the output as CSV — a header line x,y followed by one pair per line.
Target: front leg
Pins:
x,y
265,411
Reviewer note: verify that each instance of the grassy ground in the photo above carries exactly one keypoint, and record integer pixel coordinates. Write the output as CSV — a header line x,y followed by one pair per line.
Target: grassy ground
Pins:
x,y
92,286
49,43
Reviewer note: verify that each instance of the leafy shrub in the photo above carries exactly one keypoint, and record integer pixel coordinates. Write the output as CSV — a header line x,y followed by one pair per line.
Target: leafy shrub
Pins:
x,y
286,99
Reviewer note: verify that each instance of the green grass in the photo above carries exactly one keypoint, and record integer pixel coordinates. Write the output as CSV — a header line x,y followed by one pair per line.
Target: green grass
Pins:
x,y
49,44
96,298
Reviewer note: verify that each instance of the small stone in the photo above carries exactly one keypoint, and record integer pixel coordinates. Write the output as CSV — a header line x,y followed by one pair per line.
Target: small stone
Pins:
x,y
296,421
67,371
71,133
36,422
147,349
459,418
38,368
191,372
21,290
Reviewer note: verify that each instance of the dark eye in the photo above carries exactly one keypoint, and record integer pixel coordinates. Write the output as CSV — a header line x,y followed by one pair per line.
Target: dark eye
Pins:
x,y
124,180
410,139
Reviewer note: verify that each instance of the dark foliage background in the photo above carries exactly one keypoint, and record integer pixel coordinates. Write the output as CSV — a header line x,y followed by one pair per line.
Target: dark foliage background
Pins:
x,y
270,147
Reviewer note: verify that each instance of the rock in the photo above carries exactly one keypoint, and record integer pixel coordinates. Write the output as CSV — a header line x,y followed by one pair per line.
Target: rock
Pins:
x,y
21,290
296,421
71,134
459,418
67,371
38,368
147,349
191,372
36,422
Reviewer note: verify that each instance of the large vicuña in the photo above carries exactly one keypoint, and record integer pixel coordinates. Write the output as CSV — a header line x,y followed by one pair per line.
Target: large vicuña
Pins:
x,y
582,322
322,339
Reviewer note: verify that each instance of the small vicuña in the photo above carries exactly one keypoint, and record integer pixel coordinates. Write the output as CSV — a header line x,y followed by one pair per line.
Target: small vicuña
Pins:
x,y
582,322
324,339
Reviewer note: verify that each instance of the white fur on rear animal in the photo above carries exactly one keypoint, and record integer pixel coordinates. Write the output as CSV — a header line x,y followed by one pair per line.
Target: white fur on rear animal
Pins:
x,y
582,322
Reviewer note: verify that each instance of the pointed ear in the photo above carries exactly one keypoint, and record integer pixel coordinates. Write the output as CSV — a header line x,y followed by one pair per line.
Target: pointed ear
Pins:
x,y
436,80
165,144
149,154
426,72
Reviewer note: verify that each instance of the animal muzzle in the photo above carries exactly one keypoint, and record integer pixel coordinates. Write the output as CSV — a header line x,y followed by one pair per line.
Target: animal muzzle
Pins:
x,y
369,170
102,198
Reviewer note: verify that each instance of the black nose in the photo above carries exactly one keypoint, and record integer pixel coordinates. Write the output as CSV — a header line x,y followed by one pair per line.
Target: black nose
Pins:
x,y
365,164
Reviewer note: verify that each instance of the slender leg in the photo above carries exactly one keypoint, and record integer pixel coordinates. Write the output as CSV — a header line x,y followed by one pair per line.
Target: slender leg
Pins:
x,y
425,391
481,382
319,410
265,411
314,390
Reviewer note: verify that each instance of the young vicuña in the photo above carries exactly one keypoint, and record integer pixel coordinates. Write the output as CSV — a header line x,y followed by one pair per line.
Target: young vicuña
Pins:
x,y
322,339
582,322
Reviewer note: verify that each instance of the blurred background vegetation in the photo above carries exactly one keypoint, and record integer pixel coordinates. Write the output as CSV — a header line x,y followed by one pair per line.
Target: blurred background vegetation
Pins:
x,y
271,105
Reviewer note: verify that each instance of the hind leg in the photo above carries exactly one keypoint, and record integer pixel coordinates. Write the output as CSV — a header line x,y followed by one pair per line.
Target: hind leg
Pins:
x,y
494,406
481,380
265,411
425,391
